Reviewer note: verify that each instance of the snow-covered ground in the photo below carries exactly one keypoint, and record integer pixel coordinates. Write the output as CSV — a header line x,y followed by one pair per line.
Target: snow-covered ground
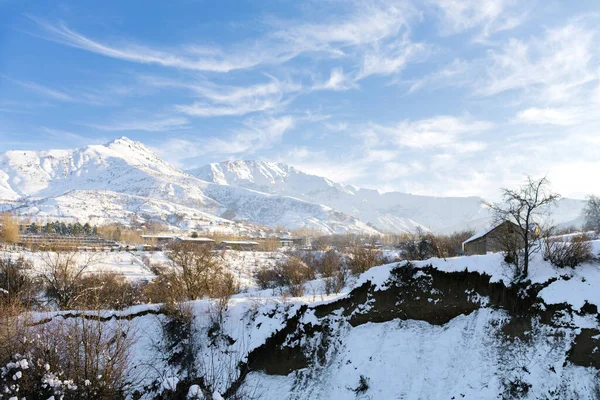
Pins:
x,y
136,265
464,358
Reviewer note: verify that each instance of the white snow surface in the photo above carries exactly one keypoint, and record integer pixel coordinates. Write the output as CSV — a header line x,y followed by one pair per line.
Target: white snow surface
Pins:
x,y
110,183
412,360
390,212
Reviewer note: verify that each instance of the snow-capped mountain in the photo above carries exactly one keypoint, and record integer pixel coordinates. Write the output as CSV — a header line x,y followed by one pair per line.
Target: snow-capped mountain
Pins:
x,y
112,182
124,178
388,212
394,212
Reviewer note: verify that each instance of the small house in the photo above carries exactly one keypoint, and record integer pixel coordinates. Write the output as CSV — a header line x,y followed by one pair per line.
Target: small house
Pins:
x,y
237,245
157,239
200,241
498,237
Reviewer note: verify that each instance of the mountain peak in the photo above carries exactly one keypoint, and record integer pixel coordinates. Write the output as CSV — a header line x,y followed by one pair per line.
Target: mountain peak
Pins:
x,y
123,140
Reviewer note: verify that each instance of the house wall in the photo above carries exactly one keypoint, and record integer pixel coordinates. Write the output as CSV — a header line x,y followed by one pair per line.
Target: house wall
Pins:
x,y
477,246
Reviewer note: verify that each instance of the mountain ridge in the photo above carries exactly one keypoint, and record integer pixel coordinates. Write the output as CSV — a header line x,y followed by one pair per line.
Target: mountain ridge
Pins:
x,y
125,177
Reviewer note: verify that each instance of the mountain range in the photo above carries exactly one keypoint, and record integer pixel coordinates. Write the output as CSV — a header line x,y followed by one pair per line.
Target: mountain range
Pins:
x,y
124,178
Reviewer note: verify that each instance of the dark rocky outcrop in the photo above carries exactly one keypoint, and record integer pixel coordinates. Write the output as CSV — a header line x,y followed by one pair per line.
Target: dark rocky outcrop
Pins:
x,y
425,294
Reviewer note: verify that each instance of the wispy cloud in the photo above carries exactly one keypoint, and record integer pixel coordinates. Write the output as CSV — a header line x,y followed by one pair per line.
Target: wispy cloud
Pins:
x,y
453,74
556,65
219,100
365,24
438,132
391,58
144,124
256,134
98,97
489,17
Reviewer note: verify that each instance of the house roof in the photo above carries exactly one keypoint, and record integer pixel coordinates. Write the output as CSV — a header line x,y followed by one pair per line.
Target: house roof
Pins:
x,y
484,232
158,236
241,242
198,239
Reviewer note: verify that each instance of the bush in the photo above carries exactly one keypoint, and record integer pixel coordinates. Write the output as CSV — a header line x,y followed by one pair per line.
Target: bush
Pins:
x,y
568,254
197,269
363,258
292,273
15,283
363,385
266,277
420,245
68,359
333,269
107,291
61,274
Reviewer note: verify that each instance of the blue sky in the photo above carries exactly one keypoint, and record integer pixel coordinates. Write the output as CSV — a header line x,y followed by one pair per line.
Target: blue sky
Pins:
x,y
438,97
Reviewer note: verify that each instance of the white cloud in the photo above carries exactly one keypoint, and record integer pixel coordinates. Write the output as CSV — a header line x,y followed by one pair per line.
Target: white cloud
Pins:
x,y
555,66
144,124
256,135
550,116
365,24
387,59
337,81
230,100
438,132
453,74
489,16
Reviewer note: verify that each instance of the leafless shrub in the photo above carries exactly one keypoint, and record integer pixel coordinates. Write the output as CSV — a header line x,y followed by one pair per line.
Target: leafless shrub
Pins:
x,y
568,254
15,282
107,291
333,269
61,275
9,229
69,359
451,245
292,273
419,245
362,258
266,277
198,269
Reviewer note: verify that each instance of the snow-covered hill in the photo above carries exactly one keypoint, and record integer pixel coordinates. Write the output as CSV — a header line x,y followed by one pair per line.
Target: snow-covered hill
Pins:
x,y
112,182
392,211
456,328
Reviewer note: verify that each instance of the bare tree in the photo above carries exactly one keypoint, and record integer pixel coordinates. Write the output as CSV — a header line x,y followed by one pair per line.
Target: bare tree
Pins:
x,y
61,275
419,245
591,213
15,282
200,271
363,257
526,206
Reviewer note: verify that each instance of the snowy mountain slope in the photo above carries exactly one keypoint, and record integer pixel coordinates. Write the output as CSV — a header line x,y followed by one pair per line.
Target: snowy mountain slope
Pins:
x,y
392,211
102,207
122,165
114,181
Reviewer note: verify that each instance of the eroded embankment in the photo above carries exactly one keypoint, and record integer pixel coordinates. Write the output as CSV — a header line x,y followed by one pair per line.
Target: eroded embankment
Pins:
x,y
424,294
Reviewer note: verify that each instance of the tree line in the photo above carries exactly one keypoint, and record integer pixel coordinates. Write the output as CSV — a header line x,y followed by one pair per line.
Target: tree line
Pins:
x,y
61,228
